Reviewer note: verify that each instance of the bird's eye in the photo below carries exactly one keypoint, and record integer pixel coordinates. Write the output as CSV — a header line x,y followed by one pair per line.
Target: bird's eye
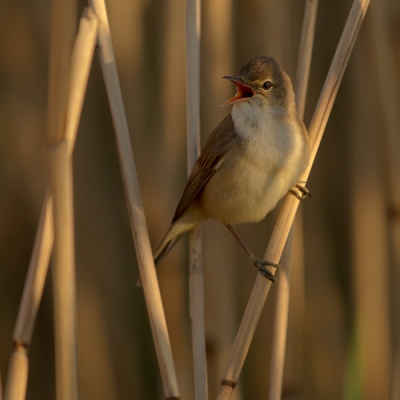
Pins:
x,y
267,85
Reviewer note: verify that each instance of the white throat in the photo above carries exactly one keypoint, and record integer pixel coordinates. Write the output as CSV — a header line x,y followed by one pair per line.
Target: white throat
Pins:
x,y
271,136
252,120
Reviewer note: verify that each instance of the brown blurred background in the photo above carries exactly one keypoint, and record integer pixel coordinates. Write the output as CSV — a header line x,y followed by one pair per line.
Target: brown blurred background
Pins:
x,y
344,329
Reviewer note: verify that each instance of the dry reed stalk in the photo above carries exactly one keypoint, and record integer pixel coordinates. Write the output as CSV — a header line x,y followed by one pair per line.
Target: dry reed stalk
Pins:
x,y
17,376
81,62
60,175
135,207
305,53
283,289
37,271
278,346
290,203
216,39
196,276
36,276
60,180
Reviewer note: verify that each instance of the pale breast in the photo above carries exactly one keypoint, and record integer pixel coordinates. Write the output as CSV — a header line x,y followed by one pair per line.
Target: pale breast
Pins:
x,y
256,174
241,193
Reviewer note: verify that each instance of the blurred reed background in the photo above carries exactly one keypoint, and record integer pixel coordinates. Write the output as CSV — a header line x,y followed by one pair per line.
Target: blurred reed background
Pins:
x,y
344,327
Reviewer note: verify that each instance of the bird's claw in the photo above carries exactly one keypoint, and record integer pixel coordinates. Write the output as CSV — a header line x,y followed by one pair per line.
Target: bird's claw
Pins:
x,y
260,265
300,192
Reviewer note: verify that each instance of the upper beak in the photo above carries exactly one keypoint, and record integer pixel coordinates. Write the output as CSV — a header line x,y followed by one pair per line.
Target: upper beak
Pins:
x,y
244,92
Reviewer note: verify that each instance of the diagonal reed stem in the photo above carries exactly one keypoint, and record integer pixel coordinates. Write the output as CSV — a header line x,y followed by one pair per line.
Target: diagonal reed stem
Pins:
x,y
135,207
283,289
17,377
196,277
290,203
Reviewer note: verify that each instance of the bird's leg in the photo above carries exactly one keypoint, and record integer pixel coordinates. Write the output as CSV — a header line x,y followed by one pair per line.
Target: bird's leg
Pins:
x,y
257,262
304,192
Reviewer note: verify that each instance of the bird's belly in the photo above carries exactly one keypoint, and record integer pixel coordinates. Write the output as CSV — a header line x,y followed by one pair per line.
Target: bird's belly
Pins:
x,y
244,193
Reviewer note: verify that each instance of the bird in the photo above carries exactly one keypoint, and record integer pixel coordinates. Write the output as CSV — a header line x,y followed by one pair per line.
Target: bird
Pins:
x,y
252,159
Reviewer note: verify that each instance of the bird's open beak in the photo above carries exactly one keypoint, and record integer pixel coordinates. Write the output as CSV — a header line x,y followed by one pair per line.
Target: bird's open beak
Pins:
x,y
243,93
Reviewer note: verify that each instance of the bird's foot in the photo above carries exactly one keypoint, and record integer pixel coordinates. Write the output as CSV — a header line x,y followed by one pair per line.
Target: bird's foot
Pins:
x,y
260,265
300,192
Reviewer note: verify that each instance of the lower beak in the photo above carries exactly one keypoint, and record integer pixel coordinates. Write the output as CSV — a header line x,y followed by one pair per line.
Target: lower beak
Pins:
x,y
244,92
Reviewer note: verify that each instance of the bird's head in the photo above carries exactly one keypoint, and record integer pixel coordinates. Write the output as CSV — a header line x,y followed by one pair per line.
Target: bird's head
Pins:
x,y
261,82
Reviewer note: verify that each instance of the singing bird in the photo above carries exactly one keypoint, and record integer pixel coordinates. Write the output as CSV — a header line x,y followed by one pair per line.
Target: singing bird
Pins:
x,y
249,162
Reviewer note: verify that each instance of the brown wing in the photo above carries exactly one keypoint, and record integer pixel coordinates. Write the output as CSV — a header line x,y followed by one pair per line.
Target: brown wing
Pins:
x,y
210,159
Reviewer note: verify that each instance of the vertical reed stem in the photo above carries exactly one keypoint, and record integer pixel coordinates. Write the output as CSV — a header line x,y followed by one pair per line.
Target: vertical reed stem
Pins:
x,y
196,277
60,174
60,179
305,54
280,324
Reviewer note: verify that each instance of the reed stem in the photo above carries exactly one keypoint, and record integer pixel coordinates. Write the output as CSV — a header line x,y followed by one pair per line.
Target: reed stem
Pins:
x,y
196,276
290,203
135,207
283,291
38,266
60,180
17,378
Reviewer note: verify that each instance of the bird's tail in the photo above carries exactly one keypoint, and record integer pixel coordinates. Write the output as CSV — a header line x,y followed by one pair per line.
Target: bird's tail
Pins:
x,y
167,243
173,234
